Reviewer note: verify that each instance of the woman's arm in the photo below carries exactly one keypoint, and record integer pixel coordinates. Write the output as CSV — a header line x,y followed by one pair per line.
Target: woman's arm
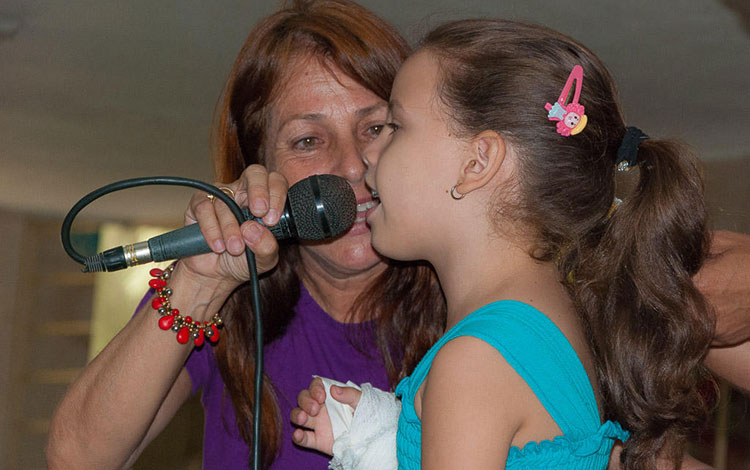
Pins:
x,y
132,389
176,397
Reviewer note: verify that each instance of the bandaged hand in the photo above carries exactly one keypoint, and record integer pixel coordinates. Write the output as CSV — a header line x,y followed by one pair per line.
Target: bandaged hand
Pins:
x,y
318,428
356,426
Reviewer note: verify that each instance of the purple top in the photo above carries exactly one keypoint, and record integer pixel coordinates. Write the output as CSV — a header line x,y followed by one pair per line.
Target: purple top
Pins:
x,y
314,344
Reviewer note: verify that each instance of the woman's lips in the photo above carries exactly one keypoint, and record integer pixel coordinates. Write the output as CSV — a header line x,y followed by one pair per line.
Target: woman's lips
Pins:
x,y
363,209
360,223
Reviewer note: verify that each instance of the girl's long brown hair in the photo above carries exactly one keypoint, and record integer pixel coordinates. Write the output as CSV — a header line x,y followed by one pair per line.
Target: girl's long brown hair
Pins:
x,y
405,300
648,327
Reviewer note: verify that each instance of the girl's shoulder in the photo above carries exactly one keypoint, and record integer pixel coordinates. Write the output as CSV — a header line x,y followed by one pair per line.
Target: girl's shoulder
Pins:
x,y
471,370
471,390
525,350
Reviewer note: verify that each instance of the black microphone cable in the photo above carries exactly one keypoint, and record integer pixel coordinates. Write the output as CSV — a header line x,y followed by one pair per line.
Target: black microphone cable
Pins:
x,y
255,286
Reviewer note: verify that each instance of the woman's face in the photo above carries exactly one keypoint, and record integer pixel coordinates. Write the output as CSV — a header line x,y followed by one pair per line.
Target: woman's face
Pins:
x,y
414,165
322,122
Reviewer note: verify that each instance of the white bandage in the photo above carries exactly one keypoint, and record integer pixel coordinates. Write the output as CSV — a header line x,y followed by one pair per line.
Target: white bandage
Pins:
x,y
365,438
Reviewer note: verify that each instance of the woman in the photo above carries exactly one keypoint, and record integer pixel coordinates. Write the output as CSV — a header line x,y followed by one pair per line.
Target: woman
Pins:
x,y
307,95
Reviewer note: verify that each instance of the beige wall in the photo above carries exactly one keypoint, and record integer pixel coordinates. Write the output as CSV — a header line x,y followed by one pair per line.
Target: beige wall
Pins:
x,y
44,323
728,193
11,233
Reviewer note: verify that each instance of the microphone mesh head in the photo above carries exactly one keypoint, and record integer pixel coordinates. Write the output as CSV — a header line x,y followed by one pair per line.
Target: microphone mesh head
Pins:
x,y
329,214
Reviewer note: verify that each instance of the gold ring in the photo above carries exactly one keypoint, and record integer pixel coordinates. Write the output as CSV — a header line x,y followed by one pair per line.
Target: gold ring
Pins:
x,y
225,190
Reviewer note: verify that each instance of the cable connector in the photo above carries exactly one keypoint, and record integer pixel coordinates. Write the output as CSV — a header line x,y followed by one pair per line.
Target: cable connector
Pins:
x,y
110,260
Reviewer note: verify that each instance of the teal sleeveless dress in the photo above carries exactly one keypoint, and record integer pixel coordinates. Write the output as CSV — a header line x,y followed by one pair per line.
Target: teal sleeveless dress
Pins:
x,y
544,358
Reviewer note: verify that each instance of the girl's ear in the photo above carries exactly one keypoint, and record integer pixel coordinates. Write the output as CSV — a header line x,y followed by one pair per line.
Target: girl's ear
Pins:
x,y
481,163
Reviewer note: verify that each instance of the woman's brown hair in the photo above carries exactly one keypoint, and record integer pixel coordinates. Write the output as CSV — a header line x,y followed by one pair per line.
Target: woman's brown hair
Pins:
x,y
647,325
405,300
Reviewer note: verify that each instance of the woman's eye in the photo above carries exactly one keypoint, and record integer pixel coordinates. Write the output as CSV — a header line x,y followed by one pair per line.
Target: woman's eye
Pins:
x,y
373,131
393,126
376,130
306,143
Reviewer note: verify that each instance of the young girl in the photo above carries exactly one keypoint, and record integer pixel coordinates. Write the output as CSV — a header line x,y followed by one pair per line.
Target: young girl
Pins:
x,y
570,319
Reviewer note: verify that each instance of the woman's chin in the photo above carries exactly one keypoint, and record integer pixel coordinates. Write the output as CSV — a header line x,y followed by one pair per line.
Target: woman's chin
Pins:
x,y
351,253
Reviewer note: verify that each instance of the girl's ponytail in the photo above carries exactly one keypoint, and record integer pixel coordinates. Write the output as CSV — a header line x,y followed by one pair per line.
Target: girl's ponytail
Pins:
x,y
648,324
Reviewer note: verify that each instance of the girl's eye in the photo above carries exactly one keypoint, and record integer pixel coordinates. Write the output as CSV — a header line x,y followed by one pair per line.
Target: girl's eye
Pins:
x,y
393,126
306,143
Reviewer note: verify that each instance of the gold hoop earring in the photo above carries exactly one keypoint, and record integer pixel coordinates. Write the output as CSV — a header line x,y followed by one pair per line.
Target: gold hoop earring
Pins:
x,y
455,194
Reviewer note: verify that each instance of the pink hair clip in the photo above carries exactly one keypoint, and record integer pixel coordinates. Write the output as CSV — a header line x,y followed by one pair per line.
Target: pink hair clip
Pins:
x,y
570,117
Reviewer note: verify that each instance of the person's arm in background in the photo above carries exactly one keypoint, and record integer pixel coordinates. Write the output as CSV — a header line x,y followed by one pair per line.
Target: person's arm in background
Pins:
x,y
733,364
133,388
725,281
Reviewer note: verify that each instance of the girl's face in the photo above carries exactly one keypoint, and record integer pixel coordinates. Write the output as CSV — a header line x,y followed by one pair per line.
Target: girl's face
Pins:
x,y
413,165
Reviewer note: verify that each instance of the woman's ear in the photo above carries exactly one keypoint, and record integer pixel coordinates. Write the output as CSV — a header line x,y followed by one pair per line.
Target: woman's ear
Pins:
x,y
481,163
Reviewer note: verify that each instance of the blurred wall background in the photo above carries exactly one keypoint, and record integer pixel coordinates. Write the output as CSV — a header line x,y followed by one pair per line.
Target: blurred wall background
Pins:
x,y
96,91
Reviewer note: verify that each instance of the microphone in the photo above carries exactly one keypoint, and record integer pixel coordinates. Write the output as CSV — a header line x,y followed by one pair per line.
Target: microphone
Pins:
x,y
317,207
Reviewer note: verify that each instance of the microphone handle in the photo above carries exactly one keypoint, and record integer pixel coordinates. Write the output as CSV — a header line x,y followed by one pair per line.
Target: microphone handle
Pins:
x,y
185,241
180,243
189,241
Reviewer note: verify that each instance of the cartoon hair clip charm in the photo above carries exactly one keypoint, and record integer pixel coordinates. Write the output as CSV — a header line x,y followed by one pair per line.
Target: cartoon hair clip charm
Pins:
x,y
570,117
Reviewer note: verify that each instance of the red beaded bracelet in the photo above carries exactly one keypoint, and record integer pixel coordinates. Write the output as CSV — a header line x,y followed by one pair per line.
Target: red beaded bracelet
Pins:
x,y
171,318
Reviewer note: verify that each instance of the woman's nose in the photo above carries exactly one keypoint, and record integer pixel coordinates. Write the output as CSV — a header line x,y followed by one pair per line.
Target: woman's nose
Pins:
x,y
370,157
352,164
371,153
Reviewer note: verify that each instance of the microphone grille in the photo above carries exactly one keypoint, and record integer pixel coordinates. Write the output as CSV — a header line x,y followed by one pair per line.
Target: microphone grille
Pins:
x,y
322,206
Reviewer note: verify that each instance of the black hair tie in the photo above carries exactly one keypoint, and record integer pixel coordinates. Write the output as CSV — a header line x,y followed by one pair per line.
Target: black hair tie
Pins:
x,y
627,154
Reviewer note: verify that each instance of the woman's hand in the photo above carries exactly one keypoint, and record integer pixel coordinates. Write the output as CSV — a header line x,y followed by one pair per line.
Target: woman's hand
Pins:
x,y
315,430
264,193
